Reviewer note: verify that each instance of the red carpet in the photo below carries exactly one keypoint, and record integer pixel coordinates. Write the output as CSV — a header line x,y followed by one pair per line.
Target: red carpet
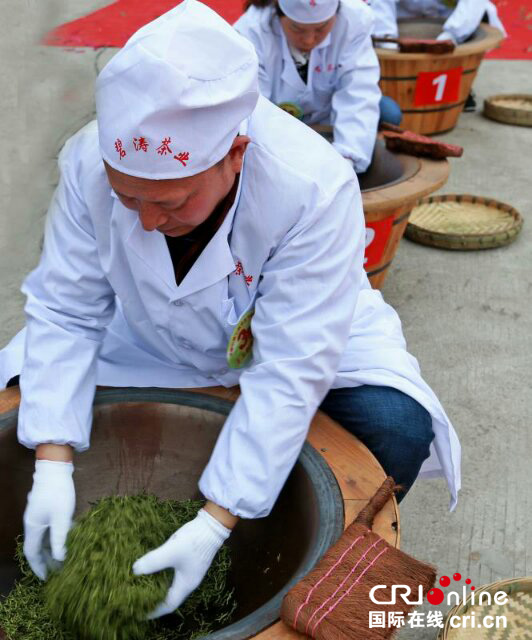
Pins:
x,y
516,15
113,25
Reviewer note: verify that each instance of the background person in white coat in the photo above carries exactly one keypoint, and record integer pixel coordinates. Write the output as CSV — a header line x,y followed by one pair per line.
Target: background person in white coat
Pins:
x,y
316,59
461,17
189,202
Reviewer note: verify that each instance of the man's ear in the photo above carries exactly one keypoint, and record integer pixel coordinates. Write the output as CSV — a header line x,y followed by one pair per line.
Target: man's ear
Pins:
x,y
236,152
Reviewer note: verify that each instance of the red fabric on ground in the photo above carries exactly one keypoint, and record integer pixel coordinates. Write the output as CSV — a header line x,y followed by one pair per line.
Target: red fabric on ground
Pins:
x,y
516,16
113,25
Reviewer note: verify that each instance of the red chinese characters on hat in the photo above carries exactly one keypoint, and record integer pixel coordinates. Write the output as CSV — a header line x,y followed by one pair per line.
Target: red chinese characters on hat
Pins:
x,y
120,150
164,147
141,144
183,157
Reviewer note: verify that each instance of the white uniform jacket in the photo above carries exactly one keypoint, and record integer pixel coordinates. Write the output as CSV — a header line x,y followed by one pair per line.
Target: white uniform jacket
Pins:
x,y
462,17
343,75
103,308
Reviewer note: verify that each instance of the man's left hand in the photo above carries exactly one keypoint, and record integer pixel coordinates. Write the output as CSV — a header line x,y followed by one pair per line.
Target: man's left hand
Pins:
x,y
189,552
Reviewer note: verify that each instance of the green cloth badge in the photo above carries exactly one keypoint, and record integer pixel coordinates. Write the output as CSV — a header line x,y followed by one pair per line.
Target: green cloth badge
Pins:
x,y
292,108
240,346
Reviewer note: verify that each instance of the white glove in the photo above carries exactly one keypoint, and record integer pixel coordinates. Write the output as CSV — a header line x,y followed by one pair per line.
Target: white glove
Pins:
x,y
51,504
445,35
190,552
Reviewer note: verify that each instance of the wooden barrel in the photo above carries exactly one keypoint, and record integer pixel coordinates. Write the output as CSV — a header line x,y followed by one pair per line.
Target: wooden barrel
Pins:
x,y
432,89
357,473
391,187
386,212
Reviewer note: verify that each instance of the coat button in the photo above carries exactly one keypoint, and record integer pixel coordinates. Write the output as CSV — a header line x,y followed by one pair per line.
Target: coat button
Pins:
x,y
222,372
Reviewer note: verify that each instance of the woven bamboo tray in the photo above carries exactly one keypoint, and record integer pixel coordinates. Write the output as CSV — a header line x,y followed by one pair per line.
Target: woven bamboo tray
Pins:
x,y
510,108
463,222
518,613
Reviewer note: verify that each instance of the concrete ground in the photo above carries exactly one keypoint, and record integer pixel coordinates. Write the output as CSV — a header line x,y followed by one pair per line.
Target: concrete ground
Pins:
x,y
467,316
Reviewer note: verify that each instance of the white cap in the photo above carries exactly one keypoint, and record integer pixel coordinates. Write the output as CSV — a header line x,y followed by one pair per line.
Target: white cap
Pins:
x,y
170,103
309,11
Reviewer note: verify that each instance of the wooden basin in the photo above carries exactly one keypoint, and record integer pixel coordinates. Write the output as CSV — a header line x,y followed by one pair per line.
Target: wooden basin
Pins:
x,y
391,187
139,440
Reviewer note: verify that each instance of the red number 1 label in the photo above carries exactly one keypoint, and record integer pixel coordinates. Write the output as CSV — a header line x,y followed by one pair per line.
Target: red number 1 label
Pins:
x,y
440,82
437,87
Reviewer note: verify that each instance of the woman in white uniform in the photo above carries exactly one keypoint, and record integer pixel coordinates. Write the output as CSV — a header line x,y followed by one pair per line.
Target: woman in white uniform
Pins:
x,y
191,201
316,60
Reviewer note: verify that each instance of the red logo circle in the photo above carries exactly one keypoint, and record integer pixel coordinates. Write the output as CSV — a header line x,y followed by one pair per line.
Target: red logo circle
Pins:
x,y
435,596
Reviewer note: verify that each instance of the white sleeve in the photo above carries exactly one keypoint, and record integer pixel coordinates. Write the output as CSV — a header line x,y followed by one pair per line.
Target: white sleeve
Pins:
x,y
307,296
355,103
252,32
494,19
69,302
385,13
465,19
265,81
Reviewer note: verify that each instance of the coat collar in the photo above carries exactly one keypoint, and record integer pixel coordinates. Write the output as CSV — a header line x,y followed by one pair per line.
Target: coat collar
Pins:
x,y
214,263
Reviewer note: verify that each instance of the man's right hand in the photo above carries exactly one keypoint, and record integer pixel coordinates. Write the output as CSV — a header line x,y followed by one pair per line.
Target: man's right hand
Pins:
x,y
50,507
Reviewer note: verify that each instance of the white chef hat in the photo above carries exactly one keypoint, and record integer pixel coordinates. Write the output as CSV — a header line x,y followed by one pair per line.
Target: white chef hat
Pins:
x,y
309,11
170,103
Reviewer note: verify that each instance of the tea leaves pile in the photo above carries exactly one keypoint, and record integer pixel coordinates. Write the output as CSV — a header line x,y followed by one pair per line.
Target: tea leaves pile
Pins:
x,y
95,596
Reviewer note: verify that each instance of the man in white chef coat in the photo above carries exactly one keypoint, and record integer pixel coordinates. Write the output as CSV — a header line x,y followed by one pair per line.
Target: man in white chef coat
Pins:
x,y
190,202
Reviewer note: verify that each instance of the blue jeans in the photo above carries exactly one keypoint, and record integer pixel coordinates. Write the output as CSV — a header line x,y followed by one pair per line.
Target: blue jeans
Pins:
x,y
390,111
392,425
